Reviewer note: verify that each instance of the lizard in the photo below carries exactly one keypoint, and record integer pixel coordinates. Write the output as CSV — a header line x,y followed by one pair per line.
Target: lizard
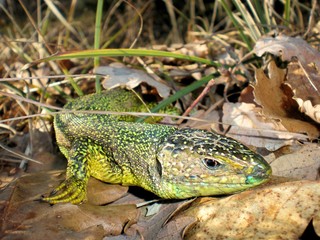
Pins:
x,y
171,162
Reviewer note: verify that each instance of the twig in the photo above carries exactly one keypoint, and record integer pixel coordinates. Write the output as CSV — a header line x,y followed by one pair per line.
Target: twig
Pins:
x,y
195,102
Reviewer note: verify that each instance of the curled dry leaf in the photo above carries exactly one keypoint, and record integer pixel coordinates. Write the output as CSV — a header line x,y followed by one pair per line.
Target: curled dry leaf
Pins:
x,y
251,127
277,211
287,48
119,75
276,101
307,108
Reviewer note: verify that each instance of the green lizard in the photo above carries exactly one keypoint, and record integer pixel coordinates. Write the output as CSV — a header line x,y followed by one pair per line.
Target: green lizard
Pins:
x,y
168,161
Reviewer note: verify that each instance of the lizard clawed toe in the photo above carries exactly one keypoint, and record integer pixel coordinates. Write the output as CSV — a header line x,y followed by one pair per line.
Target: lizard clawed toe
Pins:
x,y
72,190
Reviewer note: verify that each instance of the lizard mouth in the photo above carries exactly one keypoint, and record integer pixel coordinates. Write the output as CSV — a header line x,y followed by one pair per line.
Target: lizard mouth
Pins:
x,y
260,174
191,189
235,180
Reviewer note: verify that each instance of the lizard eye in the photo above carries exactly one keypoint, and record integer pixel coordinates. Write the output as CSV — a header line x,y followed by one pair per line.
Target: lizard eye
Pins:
x,y
211,163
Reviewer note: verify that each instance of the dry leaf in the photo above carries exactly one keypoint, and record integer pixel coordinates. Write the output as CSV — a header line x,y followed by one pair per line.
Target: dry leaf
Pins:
x,y
303,163
305,82
25,218
119,75
278,211
303,76
251,127
287,48
100,193
310,110
277,102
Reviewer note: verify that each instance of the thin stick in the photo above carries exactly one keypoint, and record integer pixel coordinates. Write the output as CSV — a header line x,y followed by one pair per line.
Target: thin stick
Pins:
x,y
195,102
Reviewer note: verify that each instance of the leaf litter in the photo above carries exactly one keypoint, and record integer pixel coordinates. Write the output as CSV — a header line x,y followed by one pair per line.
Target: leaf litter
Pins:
x,y
276,210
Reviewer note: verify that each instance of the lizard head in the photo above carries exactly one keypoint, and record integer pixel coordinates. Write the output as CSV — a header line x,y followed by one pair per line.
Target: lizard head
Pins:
x,y
194,162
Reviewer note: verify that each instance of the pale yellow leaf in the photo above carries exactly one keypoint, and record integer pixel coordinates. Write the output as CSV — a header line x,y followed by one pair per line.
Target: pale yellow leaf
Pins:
x,y
277,211
302,163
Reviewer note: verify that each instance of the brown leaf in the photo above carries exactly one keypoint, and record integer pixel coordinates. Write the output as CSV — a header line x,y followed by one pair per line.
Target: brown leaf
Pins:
x,y
40,142
278,211
100,193
305,82
25,218
303,75
277,102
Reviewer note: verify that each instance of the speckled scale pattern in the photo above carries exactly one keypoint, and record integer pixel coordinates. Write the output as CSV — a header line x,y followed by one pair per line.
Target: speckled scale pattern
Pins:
x,y
165,160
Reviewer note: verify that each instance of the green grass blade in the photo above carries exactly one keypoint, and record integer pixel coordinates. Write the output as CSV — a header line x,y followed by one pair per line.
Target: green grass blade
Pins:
x,y
236,24
97,34
287,7
261,14
124,52
251,24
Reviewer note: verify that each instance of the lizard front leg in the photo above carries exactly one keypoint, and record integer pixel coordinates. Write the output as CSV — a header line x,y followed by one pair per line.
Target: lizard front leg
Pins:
x,y
74,188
